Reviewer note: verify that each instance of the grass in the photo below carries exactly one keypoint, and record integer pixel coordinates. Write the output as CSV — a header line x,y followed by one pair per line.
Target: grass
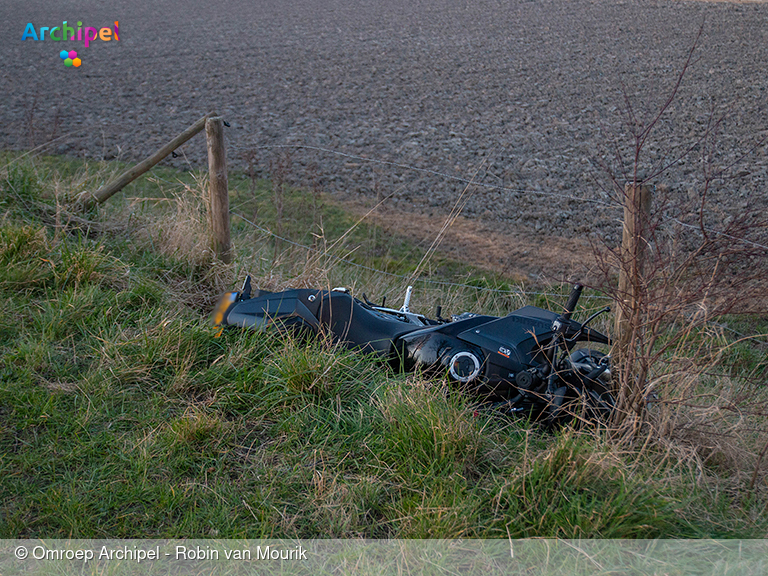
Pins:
x,y
122,415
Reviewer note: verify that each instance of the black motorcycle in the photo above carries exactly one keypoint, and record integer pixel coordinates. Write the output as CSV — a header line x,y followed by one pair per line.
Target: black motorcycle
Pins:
x,y
526,362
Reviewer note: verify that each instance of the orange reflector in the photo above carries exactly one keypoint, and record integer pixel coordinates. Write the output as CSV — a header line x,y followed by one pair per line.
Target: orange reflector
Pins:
x,y
217,317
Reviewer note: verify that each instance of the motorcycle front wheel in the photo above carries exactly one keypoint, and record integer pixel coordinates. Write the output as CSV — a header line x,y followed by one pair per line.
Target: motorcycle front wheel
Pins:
x,y
572,406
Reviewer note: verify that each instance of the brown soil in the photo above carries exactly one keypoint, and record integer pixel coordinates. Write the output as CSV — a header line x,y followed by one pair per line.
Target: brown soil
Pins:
x,y
521,256
537,259
527,99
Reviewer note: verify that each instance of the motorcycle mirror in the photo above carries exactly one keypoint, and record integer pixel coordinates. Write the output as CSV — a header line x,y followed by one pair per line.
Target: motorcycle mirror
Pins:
x,y
587,321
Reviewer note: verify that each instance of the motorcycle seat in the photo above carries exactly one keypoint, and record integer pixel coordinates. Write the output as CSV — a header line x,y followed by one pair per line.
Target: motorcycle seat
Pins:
x,y
360,327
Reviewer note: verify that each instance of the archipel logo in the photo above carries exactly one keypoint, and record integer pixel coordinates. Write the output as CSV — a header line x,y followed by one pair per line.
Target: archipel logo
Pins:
x,y
70,58
64,32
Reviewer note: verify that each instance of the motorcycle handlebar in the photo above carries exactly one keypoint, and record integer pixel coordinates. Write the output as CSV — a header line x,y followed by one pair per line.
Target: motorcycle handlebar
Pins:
x,y
573,299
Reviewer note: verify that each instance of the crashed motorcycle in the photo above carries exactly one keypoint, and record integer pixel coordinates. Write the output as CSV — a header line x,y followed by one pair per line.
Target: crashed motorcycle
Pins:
x,y
529,362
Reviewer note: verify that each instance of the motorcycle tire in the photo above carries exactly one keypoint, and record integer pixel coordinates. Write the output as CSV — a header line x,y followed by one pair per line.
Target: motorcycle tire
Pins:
x,y
557,413
601,406
568,406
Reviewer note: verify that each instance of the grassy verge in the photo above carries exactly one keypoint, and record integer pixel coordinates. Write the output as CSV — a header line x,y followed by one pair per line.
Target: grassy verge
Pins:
x,y
122,415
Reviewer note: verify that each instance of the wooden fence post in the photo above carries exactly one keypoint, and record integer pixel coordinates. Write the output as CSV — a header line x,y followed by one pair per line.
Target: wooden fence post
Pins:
x,y
217,184
86,200
637,211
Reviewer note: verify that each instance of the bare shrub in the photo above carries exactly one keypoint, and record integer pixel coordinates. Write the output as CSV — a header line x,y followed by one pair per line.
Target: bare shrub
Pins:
x,y
692,266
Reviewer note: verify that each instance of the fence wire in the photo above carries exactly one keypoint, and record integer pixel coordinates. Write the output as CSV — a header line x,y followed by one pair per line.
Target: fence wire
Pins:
x,y
519,292
520,191
755,338
465,181
717,233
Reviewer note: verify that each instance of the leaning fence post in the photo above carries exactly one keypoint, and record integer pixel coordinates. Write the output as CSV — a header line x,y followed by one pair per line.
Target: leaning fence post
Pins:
x,y
637,211
217,185
88,199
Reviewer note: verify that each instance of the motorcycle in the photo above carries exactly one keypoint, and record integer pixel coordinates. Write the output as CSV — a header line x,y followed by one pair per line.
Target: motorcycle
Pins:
x,y
524,363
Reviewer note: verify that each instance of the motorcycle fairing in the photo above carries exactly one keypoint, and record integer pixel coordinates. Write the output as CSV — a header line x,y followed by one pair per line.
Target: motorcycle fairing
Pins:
x,y
516,339
262,310
349,321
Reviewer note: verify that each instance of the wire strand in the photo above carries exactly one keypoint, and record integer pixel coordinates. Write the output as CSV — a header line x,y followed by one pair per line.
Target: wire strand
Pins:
x,y
429,171
718,233
408,276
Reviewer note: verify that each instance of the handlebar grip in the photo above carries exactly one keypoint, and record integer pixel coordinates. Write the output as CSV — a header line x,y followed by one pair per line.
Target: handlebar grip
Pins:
x,y
573,299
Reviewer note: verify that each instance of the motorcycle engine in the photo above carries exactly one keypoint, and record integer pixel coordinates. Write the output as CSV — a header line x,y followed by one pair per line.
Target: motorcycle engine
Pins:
x,y
525,379
585,361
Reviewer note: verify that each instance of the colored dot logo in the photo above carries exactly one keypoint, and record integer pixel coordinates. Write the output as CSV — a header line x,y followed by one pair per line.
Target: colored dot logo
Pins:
x,y
70,58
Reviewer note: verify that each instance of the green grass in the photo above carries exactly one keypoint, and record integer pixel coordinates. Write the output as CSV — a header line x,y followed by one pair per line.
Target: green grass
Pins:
x,y
122,415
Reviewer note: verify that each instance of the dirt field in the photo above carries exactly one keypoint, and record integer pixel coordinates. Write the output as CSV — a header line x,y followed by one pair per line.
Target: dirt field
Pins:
x,y
526,99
